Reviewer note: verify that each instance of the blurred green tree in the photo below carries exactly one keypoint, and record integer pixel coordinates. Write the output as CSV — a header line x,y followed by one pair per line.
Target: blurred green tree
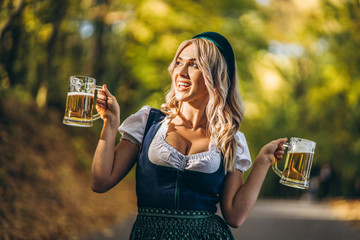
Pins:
x,y
307,84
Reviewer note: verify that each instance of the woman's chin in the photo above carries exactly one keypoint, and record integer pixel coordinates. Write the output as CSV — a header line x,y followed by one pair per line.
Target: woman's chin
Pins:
x,y
180,96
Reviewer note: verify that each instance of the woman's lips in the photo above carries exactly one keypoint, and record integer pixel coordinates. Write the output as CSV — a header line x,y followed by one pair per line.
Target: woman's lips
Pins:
x,y
183,86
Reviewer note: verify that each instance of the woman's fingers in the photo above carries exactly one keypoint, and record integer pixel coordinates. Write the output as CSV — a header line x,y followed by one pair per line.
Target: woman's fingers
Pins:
x,y
107,106
102,97
274,146
279,155
101,101
280,151
273,151
107,92
101,104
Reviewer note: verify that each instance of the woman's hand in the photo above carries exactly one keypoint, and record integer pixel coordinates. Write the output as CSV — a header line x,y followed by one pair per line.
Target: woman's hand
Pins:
x,y
108,107
271,152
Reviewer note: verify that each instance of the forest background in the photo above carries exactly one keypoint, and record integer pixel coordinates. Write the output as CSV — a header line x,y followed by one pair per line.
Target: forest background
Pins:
x,y
299,69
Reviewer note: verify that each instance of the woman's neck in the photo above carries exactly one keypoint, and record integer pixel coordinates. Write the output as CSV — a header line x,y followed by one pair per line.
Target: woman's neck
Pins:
x,y
193,117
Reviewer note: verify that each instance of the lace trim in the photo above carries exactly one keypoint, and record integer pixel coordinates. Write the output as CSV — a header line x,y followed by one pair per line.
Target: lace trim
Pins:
x,y
159,212
197,156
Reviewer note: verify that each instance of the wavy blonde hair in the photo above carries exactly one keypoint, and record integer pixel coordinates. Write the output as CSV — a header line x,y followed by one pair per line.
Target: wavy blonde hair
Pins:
x,y
224,109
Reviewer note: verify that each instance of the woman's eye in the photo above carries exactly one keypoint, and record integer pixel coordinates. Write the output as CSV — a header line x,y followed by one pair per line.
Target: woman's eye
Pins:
x,y
194,65
178,63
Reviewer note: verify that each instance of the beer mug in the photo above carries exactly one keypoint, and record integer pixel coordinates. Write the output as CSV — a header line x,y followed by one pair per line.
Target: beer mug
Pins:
x,y
80,102
298,161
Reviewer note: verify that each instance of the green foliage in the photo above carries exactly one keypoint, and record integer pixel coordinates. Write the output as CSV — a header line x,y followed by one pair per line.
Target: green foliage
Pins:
x,y
314,93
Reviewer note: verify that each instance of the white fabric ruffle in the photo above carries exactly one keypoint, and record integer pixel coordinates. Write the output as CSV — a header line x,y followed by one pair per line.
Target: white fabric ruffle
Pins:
x,y
162,153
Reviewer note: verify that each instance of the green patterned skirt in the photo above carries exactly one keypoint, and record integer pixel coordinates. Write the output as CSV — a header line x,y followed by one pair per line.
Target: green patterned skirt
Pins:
x,y
179,224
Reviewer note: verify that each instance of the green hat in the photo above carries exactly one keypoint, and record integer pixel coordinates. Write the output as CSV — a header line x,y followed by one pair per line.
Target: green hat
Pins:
x,y
225,48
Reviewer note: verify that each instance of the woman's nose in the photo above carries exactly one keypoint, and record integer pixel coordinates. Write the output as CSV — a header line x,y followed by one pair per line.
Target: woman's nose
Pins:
x,y
184,71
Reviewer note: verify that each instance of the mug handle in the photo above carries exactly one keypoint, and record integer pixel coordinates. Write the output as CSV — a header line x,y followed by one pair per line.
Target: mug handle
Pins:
x,y
274,166
96,116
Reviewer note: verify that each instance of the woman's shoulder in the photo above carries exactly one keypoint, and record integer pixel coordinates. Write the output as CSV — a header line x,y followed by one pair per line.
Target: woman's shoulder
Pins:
x,y
243,154
141,115
144,110
240,137
134,125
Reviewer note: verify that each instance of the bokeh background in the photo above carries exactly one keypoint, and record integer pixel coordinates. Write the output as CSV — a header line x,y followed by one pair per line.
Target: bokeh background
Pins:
x,y
299,69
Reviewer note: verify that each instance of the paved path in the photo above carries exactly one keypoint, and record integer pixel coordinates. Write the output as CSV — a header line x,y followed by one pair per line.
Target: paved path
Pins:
x,y
271,220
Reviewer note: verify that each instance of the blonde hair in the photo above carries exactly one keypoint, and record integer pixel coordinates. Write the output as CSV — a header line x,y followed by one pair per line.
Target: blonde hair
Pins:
x,y
224,109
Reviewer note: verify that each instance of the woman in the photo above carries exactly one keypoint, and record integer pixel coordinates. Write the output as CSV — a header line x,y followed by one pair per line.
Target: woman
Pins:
x,y
190,155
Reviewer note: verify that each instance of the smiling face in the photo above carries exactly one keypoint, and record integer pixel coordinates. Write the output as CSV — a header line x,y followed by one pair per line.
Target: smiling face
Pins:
x,y
188,80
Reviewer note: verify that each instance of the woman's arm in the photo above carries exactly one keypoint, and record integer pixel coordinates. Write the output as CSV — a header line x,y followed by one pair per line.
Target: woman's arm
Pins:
x,y
238,198
110,164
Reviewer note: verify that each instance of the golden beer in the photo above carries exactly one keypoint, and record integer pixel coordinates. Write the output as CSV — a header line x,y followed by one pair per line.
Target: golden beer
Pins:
x,y
80,101
297,166
79,108
298,162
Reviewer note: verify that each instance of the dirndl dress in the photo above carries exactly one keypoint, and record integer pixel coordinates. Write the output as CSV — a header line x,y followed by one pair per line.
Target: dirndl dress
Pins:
x,y
172,203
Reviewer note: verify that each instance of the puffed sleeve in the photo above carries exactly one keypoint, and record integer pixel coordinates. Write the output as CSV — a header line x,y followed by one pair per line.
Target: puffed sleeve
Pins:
x,y
133,127
243,158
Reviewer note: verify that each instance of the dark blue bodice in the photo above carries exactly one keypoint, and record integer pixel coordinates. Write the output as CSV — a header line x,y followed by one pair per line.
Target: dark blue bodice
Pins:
x,y
169,188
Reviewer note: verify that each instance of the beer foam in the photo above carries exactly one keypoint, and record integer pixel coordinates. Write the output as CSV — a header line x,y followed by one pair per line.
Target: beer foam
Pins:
x,y
80,94
303,147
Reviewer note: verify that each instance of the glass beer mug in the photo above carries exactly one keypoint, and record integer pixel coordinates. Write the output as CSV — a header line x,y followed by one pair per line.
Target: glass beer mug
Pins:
x,y
80,102
298,161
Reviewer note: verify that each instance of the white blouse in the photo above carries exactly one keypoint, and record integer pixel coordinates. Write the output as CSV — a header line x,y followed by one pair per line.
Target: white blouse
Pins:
x,y
162,153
